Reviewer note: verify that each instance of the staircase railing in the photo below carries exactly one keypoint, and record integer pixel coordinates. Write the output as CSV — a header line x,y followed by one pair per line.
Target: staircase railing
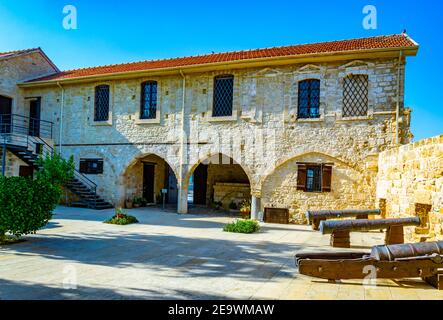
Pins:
x,y
31,133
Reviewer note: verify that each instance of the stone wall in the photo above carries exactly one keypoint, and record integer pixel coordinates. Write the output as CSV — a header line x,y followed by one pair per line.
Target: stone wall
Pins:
x,y
262,135
226,193
410,182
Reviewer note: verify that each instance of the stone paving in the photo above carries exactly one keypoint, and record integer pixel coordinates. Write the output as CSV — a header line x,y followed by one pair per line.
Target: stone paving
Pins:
x,y
170,256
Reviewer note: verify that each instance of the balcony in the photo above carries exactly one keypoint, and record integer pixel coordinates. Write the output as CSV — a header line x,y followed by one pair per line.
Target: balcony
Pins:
x,y
18,125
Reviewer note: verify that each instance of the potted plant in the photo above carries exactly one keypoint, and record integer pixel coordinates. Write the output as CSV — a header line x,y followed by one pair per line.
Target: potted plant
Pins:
x,y
137,202
245,209
128,203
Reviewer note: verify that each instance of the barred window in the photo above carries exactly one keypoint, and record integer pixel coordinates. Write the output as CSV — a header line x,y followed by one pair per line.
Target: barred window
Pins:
x,y
91,166
101,108
309,99
223,96
149,100
355,95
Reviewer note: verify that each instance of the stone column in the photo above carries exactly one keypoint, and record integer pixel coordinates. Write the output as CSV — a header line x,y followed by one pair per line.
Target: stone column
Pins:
x,y
182,202
255,207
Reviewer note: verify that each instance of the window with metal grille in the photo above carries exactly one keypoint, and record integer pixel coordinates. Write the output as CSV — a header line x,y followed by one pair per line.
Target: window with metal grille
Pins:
x,y
101,111
309,99
355,95
223,96
91,166
149,100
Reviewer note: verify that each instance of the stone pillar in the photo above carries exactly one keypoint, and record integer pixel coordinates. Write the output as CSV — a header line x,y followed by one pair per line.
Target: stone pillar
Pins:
x,y
255,207
182,202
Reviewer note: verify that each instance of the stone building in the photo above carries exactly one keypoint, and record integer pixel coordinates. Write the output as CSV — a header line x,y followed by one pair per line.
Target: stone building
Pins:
x,y
297,127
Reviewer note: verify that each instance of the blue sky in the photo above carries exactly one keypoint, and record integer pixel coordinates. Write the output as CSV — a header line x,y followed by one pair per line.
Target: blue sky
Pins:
x,y
122,31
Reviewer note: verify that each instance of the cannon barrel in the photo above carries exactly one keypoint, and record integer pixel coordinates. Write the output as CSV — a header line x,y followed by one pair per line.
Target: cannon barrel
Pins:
x,y
330,226
349,213
410,250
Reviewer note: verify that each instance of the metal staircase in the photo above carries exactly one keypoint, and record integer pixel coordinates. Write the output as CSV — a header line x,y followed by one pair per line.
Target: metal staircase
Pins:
x,y
25,138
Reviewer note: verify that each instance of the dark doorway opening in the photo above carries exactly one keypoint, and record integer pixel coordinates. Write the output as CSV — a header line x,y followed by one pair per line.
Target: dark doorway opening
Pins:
x,y
200,179
5,114
171,183
34,115
148,182
26,172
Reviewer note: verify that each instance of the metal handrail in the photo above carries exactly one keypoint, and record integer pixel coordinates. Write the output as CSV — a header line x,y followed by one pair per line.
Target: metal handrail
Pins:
x,y
16,123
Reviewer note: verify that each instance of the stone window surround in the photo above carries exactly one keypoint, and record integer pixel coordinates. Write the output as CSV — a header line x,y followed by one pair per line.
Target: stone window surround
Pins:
x,y
345,72
111,104
318,75
138,98
236,103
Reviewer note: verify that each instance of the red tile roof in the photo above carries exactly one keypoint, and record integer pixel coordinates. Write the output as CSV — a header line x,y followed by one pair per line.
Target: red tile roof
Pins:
x,y
380,42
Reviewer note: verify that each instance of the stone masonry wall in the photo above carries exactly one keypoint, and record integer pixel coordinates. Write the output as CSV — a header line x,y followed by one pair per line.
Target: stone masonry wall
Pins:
x,y
410,181
262,135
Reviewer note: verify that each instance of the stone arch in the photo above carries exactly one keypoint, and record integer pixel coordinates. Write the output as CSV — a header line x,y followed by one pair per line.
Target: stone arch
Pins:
x,y
352,187
130,178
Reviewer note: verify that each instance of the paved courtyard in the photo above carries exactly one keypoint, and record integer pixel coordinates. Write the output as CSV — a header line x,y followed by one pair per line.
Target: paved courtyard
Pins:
x,y
169,256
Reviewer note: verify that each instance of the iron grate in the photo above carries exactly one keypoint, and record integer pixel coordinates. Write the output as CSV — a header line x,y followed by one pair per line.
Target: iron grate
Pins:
x,y
355,96
309,99
149,100
223,96
101,112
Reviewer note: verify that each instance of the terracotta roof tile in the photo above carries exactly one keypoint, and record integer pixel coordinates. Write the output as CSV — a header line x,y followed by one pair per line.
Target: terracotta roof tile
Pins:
x,y
380,42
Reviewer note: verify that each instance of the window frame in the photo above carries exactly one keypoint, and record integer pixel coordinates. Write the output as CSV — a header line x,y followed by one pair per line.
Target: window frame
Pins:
x,y
322,179
85,166
345,106
143,100
96,88
215,113
308,114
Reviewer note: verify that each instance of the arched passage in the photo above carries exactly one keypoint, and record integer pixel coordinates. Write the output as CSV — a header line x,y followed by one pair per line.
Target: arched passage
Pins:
x,y
217,181
145,180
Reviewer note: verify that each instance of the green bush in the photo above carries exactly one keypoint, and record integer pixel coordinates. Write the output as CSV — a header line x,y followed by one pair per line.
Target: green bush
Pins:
x,y
25,205
121,218
242,226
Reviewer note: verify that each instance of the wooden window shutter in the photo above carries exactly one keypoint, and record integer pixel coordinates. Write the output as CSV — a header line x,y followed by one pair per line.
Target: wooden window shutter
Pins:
x,y
301,177
326,179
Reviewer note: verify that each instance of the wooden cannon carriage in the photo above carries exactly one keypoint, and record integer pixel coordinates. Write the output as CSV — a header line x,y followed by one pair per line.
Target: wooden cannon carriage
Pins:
x,y
424,260
340,229
315,217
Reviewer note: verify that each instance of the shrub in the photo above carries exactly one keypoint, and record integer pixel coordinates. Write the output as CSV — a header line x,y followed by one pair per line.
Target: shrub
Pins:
x,y
121,218
242,226
55,169
26,205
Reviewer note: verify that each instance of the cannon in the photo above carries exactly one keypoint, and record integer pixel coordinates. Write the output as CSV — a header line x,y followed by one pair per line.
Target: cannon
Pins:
x,y
315,217
340,229
424,260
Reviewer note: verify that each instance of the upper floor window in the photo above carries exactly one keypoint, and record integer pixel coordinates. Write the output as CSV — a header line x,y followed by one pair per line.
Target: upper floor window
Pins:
x,y
309,99
314,177
355,95
223,96
149,100
101,108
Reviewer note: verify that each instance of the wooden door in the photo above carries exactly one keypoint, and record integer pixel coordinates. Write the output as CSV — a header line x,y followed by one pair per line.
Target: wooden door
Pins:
x,y
200,184
148,182
5,114
26,171
34,115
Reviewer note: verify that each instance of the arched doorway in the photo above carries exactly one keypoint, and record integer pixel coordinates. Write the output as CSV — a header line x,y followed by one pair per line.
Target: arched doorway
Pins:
x,y
149,179
218,182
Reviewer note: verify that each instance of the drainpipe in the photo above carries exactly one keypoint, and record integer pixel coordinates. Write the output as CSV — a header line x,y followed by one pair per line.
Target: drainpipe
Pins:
x,y
183,194
62,105
397,111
